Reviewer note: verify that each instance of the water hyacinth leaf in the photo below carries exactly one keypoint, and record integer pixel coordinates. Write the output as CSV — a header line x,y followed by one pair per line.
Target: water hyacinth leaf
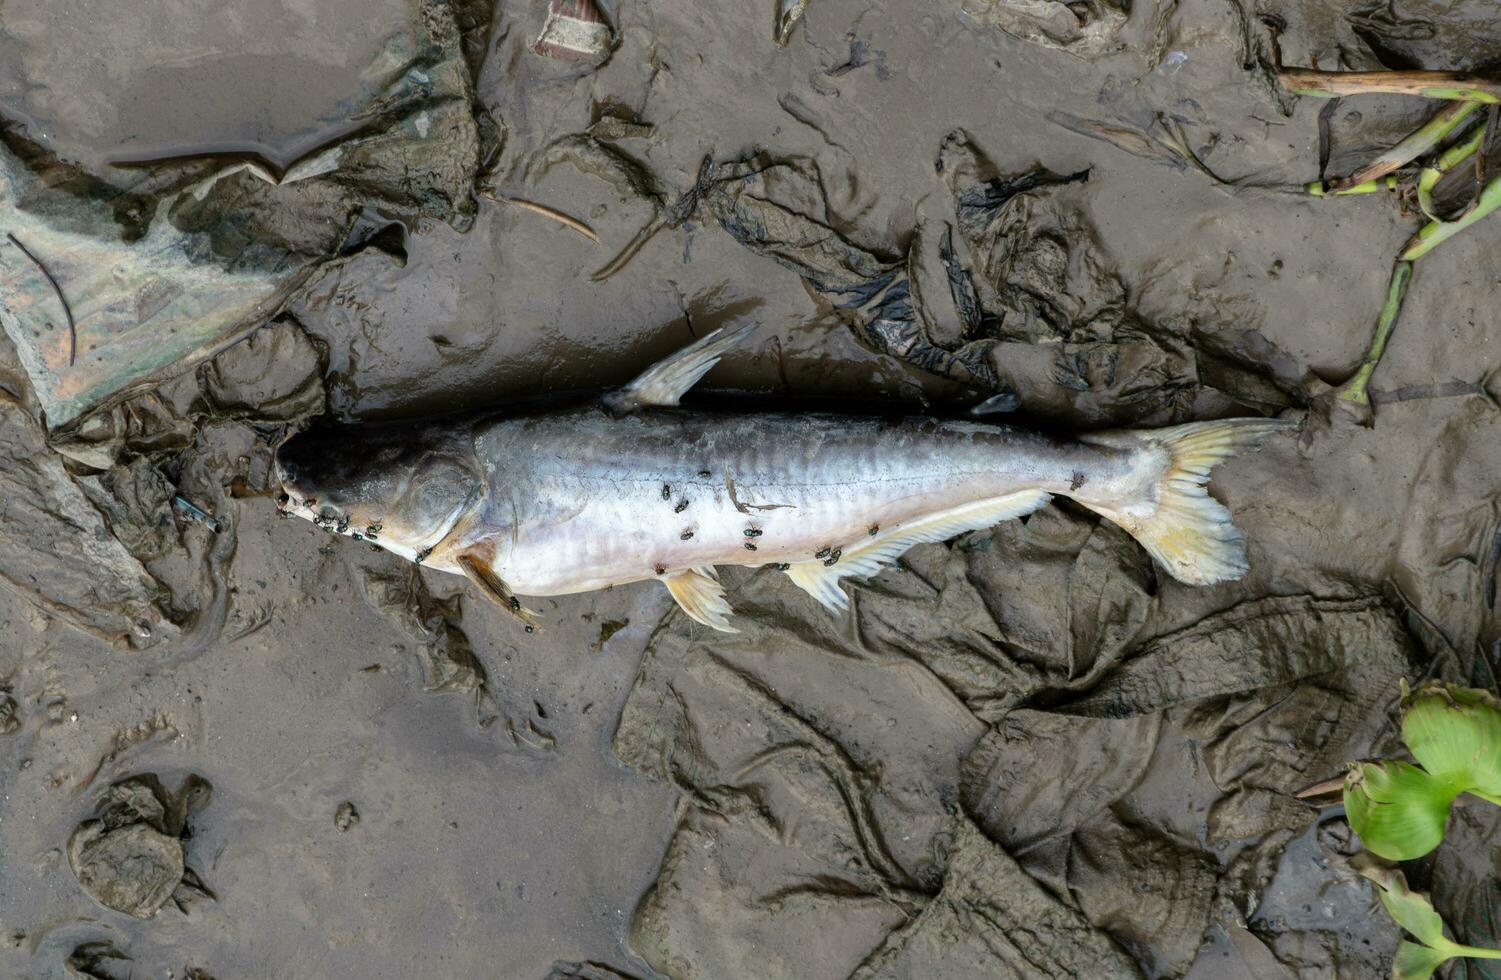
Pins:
x,y
1398,810
1455,732
1409,909
1416,962
1415,913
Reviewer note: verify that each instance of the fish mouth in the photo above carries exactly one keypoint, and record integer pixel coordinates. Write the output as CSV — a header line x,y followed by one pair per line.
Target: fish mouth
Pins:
x,y
300,497
295,497
285,474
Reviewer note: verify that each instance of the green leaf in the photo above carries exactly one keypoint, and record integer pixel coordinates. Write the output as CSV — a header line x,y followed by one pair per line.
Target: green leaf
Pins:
x,y
1415,913
1455,732
1409,909
1416,962
1398,810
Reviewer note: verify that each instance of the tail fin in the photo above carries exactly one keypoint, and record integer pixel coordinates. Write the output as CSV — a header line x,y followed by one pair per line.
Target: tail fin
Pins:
x,y
1186,530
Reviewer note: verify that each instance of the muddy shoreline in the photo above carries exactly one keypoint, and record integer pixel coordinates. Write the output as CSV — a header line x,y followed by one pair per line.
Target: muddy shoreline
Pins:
x,y
406,784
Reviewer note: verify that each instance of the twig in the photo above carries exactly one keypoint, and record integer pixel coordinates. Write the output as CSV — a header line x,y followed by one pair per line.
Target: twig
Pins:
x,y
629,252
72,328
1452,85
542,209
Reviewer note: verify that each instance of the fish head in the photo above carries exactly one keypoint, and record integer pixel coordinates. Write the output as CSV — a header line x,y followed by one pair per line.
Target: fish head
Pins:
x,y
397,487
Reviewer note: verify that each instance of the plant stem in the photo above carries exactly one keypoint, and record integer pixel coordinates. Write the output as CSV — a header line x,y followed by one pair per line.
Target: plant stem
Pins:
x,y
1412,146
1451,158
1435,233
1476,952
1447,85
1319,188
1354,390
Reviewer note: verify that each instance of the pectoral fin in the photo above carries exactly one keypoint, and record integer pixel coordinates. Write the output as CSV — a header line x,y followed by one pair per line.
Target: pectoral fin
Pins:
x,y
698,592
668,380
479,571
820,577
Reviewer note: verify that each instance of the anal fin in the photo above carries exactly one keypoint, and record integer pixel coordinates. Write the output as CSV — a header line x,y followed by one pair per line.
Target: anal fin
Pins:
x,y
698,592
479,571
820,577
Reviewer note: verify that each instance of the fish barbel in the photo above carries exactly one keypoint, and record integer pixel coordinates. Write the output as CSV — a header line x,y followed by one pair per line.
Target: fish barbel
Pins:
x,y
633,487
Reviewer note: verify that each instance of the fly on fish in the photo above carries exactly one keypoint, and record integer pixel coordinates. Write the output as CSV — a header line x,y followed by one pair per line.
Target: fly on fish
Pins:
x,y
633,487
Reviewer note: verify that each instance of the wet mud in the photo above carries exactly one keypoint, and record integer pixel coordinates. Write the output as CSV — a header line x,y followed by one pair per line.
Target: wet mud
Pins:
x,y
1023,753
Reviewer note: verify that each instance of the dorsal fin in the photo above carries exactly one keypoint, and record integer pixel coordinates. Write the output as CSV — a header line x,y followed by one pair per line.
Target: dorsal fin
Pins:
x,y
669,379
820,577
698,592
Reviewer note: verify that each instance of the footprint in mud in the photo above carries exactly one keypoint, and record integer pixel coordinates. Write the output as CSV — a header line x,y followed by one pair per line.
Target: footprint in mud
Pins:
x,y
130,857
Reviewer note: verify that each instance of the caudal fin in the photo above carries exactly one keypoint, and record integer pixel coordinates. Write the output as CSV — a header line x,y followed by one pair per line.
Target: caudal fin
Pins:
x,y
1186,530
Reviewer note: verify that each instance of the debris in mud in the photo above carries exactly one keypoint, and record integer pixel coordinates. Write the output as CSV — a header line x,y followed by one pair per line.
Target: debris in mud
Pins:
x,y
1015,297
1085,28
1468,122
156,270
448,660
575,30
130,857
274,375
530,736
607,629
94,960
90,516
563,970
789,13
9,722
763,205
989,917
345,817
56,548
195,513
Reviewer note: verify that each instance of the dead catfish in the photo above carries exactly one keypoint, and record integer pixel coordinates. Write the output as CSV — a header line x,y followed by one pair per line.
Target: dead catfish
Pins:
x,y
633,487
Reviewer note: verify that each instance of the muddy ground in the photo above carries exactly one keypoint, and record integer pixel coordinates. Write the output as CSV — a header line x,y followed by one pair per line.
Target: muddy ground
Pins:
x,y
1028,755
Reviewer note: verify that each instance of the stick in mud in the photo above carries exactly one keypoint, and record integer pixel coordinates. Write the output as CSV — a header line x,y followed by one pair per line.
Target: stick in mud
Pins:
x,y
566,221
1449,85
67,310
629,252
